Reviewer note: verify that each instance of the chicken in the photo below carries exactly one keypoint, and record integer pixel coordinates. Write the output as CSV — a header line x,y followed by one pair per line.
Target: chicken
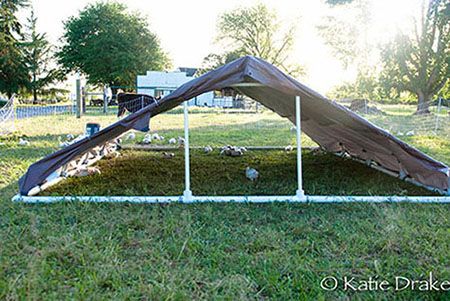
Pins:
x,y
172,141
289,148
23,142
181,141
167,155
251,174
208,149
147,139
87,171
232,151
236,152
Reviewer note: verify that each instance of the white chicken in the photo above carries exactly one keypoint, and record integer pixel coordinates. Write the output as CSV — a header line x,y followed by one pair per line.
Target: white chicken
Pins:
x,y
289,148
147,139
232,151
251,174
207,149
23,142
155,136
172,141
181,141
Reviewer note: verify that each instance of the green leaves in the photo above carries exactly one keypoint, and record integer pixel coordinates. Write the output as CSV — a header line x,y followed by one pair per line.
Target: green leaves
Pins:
x,y
38,59
110,45
12,68
256,31
421,63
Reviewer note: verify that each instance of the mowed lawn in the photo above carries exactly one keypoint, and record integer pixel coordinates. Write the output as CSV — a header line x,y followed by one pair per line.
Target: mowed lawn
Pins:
x,y
214,251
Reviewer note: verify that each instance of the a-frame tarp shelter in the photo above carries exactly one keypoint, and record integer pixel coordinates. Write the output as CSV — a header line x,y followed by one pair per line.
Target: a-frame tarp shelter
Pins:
x,y
332,126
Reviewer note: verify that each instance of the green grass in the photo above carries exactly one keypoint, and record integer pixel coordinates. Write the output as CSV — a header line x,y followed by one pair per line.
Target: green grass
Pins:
x,y
213,251
148,173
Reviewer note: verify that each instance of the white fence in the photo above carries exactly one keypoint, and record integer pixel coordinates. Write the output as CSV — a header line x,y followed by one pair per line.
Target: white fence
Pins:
x,y
402,120
36,111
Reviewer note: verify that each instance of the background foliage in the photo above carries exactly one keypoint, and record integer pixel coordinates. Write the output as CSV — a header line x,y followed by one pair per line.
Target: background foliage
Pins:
x,y
110,45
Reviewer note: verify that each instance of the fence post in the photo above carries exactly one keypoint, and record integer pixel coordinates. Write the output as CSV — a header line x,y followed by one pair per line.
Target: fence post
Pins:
x,y
105,99
83,99
437,114
78,95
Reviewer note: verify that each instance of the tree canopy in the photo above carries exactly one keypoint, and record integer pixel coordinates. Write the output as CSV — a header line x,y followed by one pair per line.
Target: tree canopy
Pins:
x,y
38,59
420,63
255,31
110,45
13,73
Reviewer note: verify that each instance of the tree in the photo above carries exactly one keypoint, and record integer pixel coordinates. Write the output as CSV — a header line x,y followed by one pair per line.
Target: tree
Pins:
x,y
256,31
38,59
214,61
110,45
345,31
13,73
421,64
365,86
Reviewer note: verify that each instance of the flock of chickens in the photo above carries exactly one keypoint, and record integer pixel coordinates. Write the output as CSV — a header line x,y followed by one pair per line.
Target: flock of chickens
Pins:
x,y
229,150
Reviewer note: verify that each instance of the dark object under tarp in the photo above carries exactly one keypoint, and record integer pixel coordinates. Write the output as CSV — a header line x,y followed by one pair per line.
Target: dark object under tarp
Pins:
x,y
332,126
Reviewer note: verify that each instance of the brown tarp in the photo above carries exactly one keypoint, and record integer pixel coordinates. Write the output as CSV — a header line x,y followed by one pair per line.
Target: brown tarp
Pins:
x,y
332,126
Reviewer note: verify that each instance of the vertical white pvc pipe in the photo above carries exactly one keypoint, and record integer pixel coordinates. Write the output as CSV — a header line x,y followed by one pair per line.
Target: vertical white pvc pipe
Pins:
x,y
300,192
187,194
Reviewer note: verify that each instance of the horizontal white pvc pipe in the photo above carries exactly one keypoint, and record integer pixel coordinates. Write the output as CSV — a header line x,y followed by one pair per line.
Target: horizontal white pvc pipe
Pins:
x,y
235,199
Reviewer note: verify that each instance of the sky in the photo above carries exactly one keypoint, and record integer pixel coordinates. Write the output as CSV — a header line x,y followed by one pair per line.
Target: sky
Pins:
x,y
187,29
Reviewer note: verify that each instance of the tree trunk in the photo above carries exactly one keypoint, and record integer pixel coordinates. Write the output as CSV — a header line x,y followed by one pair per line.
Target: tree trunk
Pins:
x,y
34,96
423,103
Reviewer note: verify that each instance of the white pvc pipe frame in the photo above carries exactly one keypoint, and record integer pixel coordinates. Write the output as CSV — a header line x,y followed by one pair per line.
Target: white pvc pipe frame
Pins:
x,y
187,196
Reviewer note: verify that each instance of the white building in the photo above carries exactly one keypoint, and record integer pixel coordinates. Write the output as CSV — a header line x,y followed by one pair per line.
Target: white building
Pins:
x,y
160,84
